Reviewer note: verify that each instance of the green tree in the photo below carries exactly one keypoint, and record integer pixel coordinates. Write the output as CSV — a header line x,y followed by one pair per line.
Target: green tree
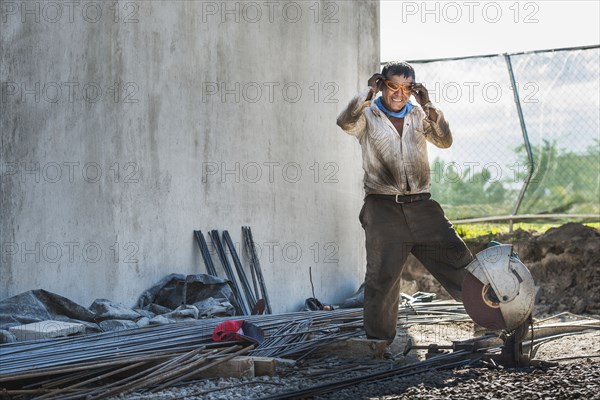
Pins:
x,y
563,181
466,193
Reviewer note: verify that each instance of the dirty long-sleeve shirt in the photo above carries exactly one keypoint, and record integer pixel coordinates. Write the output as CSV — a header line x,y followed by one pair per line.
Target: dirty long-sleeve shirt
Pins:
x,y
393,163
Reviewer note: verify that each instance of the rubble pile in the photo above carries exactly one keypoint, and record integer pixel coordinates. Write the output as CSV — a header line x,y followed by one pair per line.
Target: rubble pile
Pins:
x,y
176,298
565,263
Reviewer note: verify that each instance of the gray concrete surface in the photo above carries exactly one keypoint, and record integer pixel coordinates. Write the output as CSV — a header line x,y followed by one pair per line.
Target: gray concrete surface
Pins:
x,y
124,128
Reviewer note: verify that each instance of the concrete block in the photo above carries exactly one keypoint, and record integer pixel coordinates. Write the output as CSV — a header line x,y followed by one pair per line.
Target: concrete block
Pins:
x,y
45,329
237,367
263,366
358,348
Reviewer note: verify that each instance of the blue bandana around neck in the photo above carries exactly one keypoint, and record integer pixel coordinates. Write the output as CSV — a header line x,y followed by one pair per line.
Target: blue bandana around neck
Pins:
x,y
400,114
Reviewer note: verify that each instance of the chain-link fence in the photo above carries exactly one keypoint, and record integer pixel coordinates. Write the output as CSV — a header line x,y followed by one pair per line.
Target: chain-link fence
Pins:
x,y
487,171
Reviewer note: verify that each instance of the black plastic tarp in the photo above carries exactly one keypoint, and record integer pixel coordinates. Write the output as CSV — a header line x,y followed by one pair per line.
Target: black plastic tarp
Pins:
x,y
175,297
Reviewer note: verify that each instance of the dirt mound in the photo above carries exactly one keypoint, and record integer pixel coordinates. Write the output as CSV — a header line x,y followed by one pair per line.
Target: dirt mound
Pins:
x,y
564,262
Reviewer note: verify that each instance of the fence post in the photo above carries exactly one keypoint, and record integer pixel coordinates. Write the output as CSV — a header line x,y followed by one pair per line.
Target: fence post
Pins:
x,y
525,139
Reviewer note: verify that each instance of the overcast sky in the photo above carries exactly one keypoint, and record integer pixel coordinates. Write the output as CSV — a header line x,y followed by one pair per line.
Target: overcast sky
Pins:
x,y
413,30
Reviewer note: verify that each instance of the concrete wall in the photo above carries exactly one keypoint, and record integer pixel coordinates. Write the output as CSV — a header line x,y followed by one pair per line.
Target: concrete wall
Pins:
x,y
125,128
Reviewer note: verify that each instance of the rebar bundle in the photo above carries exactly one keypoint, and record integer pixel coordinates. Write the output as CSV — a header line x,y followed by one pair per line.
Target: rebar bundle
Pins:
x,y
70,367
159,356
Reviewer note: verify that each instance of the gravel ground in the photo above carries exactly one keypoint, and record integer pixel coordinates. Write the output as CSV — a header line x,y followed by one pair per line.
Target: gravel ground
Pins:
x,y
573,378
568,381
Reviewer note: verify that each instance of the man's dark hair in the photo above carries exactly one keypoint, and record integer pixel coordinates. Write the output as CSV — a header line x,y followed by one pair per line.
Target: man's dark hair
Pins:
x,y
398,68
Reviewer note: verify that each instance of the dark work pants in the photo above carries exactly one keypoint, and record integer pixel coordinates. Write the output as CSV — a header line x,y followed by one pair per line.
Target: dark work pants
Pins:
x,y
393,231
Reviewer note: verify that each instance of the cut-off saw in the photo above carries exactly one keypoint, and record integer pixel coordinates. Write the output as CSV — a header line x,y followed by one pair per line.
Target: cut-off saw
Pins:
x,y
498,290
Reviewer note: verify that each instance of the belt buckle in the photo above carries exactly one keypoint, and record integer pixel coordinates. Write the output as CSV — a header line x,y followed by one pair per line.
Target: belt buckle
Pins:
x,y
399,202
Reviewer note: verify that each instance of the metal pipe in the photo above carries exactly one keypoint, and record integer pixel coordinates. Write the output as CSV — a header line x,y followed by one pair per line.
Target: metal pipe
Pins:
x,y
524,216
250,298
31,359
442,361
210,267
525,138
425,61
92,380
208,366
256,263
236,289
157,371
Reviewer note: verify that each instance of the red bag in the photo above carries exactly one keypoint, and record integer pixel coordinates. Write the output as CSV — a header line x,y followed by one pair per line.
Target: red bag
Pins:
x,y
238,330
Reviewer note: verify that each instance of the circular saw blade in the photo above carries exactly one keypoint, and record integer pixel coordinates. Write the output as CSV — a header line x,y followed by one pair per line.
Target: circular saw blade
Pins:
x,y
481,303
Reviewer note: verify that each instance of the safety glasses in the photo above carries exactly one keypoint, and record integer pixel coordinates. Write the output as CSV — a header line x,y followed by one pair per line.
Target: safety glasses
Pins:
x,y
394,87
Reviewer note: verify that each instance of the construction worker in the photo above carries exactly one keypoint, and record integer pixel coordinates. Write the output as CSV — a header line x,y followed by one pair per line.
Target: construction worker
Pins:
x,y
398,216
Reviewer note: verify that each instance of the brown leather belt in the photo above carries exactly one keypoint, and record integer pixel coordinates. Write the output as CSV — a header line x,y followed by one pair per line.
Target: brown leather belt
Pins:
x,y
401,199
